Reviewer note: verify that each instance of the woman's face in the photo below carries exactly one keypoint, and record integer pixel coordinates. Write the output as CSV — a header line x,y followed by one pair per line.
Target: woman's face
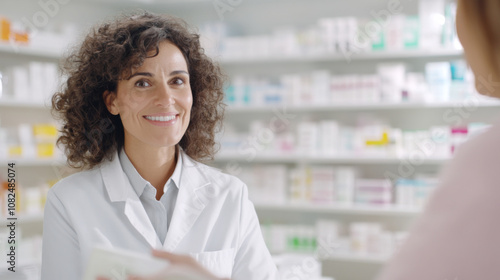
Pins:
x,y
155,102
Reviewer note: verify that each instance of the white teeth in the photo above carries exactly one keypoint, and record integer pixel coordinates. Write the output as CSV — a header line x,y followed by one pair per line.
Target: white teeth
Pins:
x,y
161,119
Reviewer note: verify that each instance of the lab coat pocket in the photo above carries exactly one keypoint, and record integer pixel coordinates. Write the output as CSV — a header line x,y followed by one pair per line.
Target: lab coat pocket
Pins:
x,y
219,263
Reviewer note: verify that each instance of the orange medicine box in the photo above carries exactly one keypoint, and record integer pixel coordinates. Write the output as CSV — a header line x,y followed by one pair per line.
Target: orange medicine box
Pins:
x,y
4,29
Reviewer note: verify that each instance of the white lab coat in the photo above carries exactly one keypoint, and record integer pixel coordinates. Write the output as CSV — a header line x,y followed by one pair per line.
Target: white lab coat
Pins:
x,y
213,221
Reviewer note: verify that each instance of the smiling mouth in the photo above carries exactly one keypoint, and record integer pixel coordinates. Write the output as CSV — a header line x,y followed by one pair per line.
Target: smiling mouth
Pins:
x,y
161,118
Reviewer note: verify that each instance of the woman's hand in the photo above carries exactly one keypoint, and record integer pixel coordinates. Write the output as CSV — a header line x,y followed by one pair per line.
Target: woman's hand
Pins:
x,y
181,267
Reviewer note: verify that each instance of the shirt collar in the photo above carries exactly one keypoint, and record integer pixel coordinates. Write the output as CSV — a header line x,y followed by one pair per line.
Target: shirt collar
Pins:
x,y
139,183
176,176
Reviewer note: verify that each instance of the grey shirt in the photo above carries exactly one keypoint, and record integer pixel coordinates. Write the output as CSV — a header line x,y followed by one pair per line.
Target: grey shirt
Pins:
x,y
159,212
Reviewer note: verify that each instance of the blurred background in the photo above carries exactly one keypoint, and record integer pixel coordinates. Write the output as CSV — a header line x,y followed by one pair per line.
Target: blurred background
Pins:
x,y
340,115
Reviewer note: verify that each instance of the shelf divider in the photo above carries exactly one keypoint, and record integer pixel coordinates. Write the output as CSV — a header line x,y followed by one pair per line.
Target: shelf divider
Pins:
x,y
353,209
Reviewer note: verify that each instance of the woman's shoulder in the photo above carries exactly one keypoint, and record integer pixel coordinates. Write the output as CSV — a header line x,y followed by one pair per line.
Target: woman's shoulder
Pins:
x,y
484,147
214,184
77,182
475,161
219,178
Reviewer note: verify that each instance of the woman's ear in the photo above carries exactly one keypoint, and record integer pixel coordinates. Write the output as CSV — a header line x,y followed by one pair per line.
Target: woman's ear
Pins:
x,y
110,101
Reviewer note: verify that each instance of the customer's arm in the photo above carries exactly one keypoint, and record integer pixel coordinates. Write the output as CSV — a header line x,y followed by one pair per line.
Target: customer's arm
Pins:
x,y
60,249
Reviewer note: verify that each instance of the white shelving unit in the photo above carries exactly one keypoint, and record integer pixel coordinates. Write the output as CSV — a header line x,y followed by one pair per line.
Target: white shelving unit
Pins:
x,y
28,50
29,171
375,55
35,162
270,157
358,258
271,14
358,107
15,103
27,218
349,209
30,265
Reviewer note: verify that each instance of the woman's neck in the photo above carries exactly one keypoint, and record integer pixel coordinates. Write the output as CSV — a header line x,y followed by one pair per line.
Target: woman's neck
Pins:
x,y
156,165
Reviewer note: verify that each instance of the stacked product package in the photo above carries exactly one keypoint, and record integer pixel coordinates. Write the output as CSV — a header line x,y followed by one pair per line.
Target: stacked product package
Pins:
x,y
330,238
332,185
385,30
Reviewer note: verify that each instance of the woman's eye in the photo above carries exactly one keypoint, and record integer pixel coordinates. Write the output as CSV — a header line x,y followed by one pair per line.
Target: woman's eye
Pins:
x,y
142,83
178,81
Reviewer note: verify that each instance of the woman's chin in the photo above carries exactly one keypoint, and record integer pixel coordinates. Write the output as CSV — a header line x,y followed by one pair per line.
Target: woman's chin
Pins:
x,y
493,91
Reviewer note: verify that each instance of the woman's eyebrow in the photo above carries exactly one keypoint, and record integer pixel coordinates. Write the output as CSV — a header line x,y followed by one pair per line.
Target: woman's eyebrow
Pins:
x,y
176,72
140,74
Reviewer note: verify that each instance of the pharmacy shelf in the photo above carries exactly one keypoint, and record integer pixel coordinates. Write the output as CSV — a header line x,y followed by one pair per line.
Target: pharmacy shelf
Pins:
x,y
26,218
361,106
34,161
353,209
357,257
153,4
30,218
30,50
381,55
267,157
22,264
18,103
346,256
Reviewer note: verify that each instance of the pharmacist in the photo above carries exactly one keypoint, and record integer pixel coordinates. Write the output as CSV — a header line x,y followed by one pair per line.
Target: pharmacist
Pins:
x,y
140,109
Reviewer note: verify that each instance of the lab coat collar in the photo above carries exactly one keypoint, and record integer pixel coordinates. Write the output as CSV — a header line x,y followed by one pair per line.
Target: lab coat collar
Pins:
x,y
194,195
116,181
195,192
135,179
119,189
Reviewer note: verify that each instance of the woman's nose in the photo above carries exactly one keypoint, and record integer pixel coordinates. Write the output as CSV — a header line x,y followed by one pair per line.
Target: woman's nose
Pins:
x,y
164,96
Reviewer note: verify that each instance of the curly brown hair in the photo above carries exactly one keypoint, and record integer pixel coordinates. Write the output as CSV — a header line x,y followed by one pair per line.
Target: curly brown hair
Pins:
x,y
90,132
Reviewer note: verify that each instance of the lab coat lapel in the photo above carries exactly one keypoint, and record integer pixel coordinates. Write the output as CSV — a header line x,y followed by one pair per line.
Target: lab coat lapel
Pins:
x,y
194,195
119,190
